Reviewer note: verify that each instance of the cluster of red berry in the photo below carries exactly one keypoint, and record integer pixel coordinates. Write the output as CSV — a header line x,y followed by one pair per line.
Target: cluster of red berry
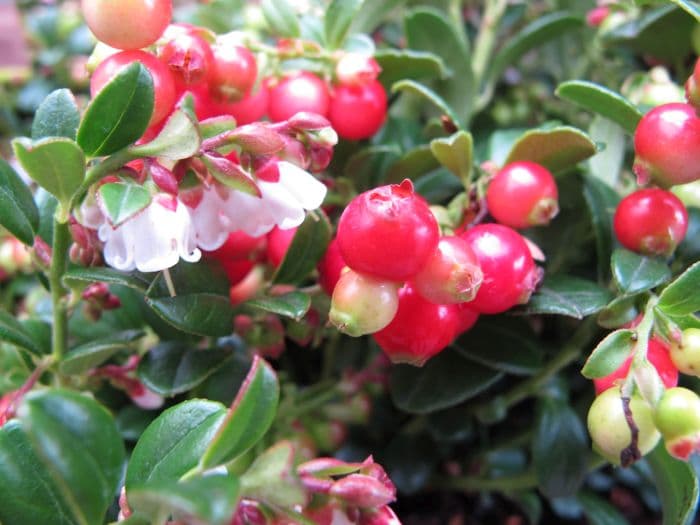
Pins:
x,y
414,289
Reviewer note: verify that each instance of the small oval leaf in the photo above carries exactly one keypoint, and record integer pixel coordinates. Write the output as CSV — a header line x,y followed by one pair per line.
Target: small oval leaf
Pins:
x,y
557,149
202,313
89,355
306,249
610,353
635,273
566,295
56,116
18,212
179,139
678,297
292,304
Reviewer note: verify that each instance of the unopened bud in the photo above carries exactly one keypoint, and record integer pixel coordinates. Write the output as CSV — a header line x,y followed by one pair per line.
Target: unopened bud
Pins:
x,y
364,491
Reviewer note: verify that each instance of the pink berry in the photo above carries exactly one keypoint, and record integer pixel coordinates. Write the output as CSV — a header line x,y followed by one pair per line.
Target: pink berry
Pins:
x,y
187,55
330,267
234,72
692,86
300,92
358,111
278,242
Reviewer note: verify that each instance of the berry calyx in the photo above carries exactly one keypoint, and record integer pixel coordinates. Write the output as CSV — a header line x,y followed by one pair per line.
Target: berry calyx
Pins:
x,y
677,417
388,232
651,221
667,144
510,273
127,24
300,92
451,274
188,56
358,111
523,194
686,355
609,427
419,330
362,304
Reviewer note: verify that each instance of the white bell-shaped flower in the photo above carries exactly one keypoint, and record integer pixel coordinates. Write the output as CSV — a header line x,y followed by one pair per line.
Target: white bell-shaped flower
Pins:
x,y
152,240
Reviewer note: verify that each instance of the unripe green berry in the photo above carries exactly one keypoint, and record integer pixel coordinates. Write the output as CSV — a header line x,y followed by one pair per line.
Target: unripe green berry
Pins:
x,y
610,430
677,416
686,355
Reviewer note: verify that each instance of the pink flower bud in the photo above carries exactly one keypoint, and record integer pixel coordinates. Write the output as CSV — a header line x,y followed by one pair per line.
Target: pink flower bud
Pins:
x,y
163,178
362,491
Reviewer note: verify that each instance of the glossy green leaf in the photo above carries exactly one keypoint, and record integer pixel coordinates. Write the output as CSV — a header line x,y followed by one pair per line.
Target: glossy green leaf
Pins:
x,y
172,368
428,94
306,250
133,280
428,30
18,213
292,304
570,296
120,201
413,389
559,449
413,164
57,116
204,276
337,20
618,312
598,511
635,273
174,443
272,479
541,30
210,499
281,18
456,153
400,64
678,297
372,14
601,100
12,331
249,416
55,164
202,314
677,485
607,165
557,149
119,114
602,201
89,355
692,8
77,440
609,354
179,139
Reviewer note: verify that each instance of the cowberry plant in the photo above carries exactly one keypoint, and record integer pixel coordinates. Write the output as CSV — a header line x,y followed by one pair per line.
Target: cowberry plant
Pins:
x,y
351,262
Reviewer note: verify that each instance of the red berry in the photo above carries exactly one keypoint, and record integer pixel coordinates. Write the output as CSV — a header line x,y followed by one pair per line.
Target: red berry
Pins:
x,y
127,24
278,242
300,92
163,84
658,355
234,71
187,55
388,232
251,108
692,86
451,274
355,69
510,274
523,194
330,267
466,317
667,145
238,255
597,15
357,112
651,221
419,330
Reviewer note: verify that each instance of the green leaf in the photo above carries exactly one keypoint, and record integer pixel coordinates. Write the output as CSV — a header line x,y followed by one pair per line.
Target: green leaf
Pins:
x,y
677,485
12,331
202,314
414,389
678,297
427,29
281,18
692,8
230,174
412,164
371,15
179,139
205,276
306,250
456,153
172,368
120,201
428,94
602,201
557,149
337,20
570,296
248,418
635,273
272,479
18,213
598,511
607,165
55,164
173,444
119,114
133,280
78,441
210,499
292,304
610,353
57,116
601,100
543,29
400,64
559,449
89,355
